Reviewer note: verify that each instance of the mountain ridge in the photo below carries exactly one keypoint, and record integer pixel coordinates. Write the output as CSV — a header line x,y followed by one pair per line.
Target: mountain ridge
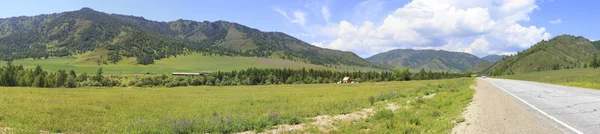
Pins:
x,y
435,60
493,57
85,30
561,52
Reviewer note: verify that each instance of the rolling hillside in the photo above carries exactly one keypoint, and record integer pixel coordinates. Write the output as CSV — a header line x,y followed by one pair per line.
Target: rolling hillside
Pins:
x,y
564,51
480,66
112,38
493,58
435,60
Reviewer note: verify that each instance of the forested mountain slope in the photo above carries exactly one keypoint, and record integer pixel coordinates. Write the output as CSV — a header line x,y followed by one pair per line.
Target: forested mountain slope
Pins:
x,y
86,30
493,58
564,51
435,60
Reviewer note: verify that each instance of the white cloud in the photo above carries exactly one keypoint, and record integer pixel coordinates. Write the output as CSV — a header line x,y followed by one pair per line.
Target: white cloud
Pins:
x,y
325,13
278,10
319,44
299,17
479,46
557,21
479,27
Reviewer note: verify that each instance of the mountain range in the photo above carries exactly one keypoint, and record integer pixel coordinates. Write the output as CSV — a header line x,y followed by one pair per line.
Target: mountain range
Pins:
x,y
113,37
435,60
95,37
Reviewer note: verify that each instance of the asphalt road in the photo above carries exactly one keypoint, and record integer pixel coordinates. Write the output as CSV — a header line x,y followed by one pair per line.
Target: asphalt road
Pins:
x,y
575,109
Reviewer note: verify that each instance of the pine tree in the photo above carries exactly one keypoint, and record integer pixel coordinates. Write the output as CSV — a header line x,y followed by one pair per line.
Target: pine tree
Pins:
x,y
71,83
99,77
38,70
39,81
72,73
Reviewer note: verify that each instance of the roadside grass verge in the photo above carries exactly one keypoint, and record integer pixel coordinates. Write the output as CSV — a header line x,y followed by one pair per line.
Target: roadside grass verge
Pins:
x,y
220,109
438,114
581,77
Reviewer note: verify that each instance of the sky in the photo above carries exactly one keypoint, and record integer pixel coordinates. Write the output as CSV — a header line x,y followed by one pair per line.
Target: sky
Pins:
x,y
368,27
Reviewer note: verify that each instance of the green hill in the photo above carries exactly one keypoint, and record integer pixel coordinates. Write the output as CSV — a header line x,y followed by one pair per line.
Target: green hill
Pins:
x,y
564,51
435,60
480,66
111,38
493,58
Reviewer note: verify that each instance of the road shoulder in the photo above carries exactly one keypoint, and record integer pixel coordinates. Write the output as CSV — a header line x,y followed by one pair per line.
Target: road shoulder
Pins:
x,y
493,111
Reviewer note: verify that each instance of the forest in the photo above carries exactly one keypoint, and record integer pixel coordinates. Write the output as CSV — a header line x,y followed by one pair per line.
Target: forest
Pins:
x,y
16,75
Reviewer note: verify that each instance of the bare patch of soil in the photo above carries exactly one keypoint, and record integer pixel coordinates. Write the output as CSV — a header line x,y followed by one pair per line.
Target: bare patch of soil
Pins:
x,y
325,123
429,96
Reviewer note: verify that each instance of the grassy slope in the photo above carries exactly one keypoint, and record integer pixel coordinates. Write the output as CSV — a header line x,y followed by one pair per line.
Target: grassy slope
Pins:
x,y
582,77
213,109
480,66
565,50
189,63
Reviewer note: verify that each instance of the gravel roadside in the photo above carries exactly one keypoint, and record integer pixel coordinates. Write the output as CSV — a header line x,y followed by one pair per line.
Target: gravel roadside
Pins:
x,y
493,111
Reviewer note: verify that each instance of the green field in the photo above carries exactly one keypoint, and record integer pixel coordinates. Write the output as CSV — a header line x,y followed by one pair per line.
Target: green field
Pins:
x,y
230,108
581,77
188,63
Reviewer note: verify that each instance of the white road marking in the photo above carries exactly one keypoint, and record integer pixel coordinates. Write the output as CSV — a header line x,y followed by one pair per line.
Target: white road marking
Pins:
x,y
544,113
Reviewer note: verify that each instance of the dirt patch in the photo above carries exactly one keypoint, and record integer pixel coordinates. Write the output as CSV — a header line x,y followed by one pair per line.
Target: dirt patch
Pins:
x,y
429,96
392,106
325,123
4,130
493,111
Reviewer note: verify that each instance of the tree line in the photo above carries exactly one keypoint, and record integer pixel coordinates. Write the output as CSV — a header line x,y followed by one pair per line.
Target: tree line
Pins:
x,y
13,75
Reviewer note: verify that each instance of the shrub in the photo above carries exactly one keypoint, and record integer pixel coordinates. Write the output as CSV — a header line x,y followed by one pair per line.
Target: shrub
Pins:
x,y
372,100
383,114
132,82
415,121
435,114
92,83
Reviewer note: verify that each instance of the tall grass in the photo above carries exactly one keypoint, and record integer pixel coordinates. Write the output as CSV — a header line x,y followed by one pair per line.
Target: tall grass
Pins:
x,y
200,109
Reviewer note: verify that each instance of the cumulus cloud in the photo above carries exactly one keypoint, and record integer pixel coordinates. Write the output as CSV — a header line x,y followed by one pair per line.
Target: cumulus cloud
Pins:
x,y
557,21
479,27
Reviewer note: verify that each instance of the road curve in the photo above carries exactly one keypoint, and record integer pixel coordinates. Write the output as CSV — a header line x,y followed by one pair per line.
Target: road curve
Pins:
x,y
575,109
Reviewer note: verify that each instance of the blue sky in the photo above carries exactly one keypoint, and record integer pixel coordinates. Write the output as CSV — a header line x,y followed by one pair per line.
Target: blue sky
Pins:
x,y
367,27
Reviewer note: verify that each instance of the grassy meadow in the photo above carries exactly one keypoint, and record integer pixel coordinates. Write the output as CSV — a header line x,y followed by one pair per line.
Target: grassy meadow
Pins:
x,y
580,77
229,108
438,114
188,63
